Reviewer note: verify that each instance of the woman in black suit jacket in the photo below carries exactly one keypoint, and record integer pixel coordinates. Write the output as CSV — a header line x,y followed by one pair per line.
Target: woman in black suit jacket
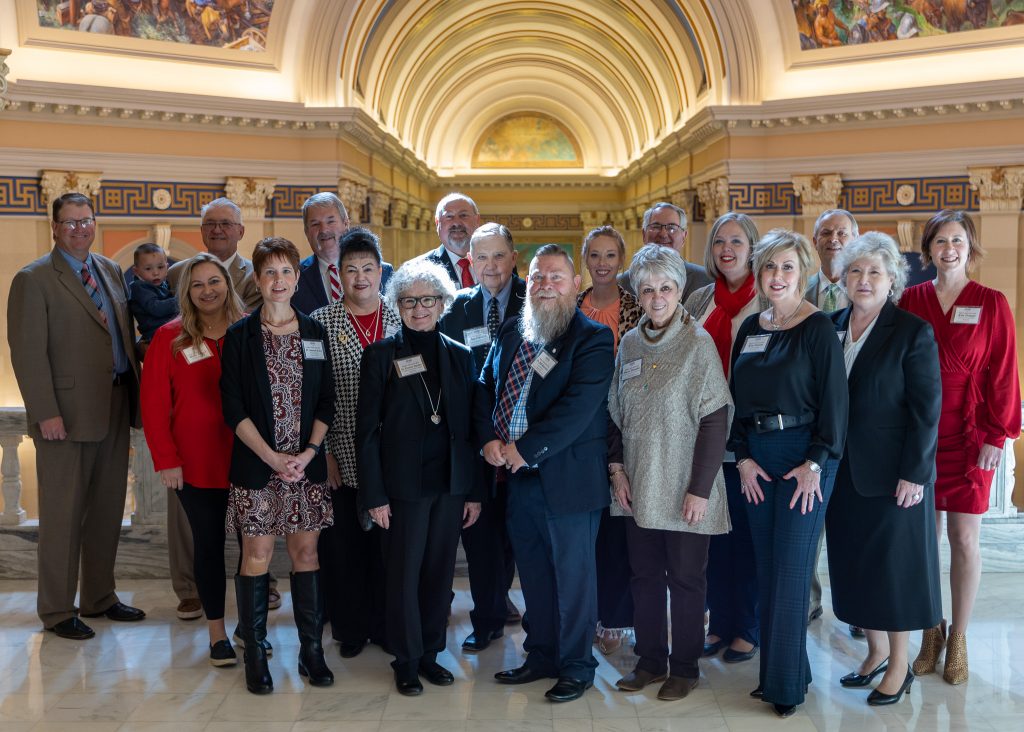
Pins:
x,y
417,466
278,397
883,561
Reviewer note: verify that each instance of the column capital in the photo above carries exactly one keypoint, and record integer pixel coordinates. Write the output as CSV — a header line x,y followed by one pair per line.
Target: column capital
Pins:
x,y
593,219
353,195
380,201
1000,189
684,200
714,197
4,71
55,183
251,195
818,192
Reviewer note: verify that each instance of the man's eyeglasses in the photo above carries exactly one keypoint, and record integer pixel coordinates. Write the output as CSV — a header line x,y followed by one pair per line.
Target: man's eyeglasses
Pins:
x,y
427,301
671,229
72,224
211,225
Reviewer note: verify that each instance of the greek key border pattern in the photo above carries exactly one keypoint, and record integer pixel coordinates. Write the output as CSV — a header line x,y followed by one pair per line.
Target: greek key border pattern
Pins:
x,y
930,195
763,199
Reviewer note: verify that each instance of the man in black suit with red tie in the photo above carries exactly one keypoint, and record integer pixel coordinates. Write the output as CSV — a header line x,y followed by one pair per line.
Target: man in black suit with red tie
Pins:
x,y
456,218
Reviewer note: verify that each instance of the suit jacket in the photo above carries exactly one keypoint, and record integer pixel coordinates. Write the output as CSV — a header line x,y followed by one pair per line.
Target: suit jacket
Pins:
x,y
440,256
468,312
390,423
696,278
895,401
245,392
566,412
241,276
311,293
61,350
811,293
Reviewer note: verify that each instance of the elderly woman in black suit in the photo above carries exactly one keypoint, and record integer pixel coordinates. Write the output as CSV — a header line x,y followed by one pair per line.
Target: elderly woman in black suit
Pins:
x,y
277,393
417,466
880,526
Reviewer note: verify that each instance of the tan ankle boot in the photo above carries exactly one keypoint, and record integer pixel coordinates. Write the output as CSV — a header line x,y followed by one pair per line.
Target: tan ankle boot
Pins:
x,y
955,671
932,641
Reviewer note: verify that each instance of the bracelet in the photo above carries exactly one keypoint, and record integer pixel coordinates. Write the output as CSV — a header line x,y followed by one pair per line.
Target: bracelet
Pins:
x,y
314,448
616,472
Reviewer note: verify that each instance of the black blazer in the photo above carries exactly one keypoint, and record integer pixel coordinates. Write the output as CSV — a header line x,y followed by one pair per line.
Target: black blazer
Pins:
x,y
311,294
245,392
567,412
468,312
440,256
895,401
390,419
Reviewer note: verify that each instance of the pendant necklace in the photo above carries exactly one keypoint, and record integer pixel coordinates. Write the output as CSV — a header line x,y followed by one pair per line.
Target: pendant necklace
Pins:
x,y
785,322
435,417
367,333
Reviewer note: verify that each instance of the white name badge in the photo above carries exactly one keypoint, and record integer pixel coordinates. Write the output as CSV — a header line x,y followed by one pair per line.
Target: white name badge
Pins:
x,y
390,331
196,353
544,363
631,370
967,316
755,344
474,337
313,350
410,366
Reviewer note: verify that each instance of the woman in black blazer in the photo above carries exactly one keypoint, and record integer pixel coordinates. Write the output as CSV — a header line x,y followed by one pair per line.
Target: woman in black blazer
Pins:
x,y
882,556
417,466
278,397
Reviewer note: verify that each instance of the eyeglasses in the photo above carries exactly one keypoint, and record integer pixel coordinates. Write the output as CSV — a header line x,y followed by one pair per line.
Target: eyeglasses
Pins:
x,y
210,225
427,301
671,229
72,224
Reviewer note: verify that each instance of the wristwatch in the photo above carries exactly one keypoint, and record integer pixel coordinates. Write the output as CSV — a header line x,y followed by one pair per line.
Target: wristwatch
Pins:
x,y
815,468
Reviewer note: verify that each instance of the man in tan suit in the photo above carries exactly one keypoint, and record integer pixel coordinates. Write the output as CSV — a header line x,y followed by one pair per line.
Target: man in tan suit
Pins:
x,y
72,347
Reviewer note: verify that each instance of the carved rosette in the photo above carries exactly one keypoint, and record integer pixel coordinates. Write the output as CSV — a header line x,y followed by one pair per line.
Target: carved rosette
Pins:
x,y
353,195
55,183
818,193
1000,189
251,195
714,197
380,201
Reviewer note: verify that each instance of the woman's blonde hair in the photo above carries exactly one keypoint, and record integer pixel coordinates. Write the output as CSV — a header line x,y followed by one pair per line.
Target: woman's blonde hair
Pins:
x,y
191,329
774,243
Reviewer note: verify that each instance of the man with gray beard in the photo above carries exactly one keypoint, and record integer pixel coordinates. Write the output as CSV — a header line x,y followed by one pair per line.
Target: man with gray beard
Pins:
x,y
541,415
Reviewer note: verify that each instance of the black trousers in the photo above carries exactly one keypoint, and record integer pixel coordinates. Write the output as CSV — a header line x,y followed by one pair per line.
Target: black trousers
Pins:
x,y
490,564
419,556
614,599
206,509
352,568
675,561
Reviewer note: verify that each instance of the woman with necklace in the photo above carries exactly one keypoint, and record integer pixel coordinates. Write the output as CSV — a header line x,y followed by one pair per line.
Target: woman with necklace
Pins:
x,y
604,254
980,412
417,469
720,308
350,551
278,397
789,387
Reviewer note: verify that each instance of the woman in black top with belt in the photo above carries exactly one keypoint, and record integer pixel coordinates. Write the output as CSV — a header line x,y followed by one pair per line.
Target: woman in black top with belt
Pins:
x,y
789,387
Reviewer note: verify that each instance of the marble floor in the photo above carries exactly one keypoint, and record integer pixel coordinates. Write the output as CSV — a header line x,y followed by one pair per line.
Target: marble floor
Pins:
x,y
154,676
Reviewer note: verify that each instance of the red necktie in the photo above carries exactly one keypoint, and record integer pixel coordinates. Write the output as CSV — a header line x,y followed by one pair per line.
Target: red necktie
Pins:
x,y
332,275
467,276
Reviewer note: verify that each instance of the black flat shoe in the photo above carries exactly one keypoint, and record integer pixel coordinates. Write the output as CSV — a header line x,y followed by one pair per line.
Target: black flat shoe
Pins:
x,y
436,674
857,632
351,649
856,679
567,689
476,642
785,710
815,614
731,656
878,699
119,612
710,649
758,693
522,675
408,684
72,629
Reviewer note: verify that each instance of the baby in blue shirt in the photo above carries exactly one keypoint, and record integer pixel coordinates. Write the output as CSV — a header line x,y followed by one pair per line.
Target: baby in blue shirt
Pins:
x,y
149,297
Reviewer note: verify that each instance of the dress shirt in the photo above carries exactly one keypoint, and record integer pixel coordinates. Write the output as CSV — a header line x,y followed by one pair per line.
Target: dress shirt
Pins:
x,y
502,298
121,363
851,348
455,263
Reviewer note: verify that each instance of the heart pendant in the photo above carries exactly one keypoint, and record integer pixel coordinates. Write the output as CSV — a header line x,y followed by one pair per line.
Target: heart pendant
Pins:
x,y
435,418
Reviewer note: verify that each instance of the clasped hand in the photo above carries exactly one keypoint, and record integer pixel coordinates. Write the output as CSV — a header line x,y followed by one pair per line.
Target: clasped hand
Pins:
x,y
500,454
290,468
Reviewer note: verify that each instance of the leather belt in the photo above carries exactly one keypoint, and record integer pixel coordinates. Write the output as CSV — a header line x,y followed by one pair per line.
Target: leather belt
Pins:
x,y
777,422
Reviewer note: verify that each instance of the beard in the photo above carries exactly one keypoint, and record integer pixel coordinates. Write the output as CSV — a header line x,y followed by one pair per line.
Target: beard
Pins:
x,y
539,324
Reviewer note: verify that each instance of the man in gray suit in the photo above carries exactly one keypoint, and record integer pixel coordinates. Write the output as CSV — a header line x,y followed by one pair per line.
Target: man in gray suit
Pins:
x,y
832,231
73,351
665,224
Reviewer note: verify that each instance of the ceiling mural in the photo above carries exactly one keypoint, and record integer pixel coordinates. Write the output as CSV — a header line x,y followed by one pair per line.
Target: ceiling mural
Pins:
x,y
527,141
831,23
233,24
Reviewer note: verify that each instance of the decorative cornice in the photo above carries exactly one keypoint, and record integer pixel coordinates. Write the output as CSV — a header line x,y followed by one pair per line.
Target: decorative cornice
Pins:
x,y
1000,189
251,195
818,192
55,183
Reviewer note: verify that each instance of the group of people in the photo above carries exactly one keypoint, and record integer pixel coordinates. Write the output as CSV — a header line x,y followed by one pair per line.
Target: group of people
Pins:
x,y
374,417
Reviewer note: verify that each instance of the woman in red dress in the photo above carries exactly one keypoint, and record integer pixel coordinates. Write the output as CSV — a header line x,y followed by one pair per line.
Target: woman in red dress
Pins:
x,y
980,411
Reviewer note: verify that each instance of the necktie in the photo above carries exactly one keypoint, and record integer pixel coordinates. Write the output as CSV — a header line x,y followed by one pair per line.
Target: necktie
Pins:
x,y
831,298
467,276
492,318
517,374
332,275
93,290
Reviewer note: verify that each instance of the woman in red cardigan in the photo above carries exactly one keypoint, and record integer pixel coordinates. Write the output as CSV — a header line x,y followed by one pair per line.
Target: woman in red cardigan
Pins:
x,y
185,428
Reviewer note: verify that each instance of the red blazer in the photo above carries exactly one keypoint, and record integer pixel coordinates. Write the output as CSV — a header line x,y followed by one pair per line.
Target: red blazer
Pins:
x,y
181,411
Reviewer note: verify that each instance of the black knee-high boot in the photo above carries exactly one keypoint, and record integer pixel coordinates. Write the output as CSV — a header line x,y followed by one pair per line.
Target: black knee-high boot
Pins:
x,y
307,604
251,595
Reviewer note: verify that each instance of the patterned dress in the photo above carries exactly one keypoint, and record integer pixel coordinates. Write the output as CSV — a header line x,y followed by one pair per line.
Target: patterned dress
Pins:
x,y
281,508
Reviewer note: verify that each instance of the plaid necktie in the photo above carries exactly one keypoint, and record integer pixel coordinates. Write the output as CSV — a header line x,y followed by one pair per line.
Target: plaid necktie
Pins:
x,y
517,375
93,290
831,298
492,319
467,277
332,275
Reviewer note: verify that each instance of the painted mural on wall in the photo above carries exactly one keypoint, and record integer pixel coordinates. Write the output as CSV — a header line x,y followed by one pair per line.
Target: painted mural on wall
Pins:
x,y
238,24
830,23
527,141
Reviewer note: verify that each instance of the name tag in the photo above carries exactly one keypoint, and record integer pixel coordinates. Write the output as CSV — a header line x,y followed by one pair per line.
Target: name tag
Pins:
x,y
631,370
196,353
390,331
313,350
755,344
543,364
474,337
410,366
967,316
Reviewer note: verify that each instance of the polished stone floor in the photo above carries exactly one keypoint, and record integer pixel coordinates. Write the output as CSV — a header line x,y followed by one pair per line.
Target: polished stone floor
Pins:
x,y
154,675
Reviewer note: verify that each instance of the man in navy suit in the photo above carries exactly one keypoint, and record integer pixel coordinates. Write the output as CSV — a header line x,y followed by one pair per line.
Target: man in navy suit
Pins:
x,y
541,415
325,221
474,319
456,218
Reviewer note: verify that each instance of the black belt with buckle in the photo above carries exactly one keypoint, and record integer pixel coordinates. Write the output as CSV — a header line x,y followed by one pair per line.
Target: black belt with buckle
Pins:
x,y
776,422
122,378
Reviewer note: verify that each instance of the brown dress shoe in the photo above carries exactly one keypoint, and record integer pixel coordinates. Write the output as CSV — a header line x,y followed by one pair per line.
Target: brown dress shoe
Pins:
x,y
190,609
637,679
676,688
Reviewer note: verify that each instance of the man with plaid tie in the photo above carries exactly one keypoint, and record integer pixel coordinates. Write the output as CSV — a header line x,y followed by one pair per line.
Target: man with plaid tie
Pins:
x,y
73,352
541,414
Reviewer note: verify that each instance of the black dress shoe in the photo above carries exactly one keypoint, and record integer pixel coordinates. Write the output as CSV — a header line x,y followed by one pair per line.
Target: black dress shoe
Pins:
x,y
351,649
857,632
436,674
731,656
856,679
567,689
72,629
710,649
522,675
758,693
408,684
878,699
120,612
476,641
785,710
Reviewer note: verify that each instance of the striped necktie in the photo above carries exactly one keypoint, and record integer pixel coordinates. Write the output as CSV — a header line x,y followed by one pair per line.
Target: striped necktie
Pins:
x,y
93,290
332,275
